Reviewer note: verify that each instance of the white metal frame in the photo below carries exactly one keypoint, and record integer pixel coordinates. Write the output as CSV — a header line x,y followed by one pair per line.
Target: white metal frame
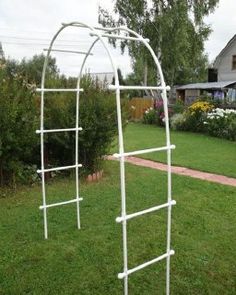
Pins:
x,y
101,34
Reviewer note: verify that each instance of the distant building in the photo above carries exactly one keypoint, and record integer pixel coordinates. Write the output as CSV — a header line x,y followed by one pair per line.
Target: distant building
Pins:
x,y
225,63
215,90
104,78
221,83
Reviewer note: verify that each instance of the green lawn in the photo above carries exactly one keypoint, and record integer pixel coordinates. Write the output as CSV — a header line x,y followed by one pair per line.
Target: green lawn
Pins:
x,y
193,150
86,262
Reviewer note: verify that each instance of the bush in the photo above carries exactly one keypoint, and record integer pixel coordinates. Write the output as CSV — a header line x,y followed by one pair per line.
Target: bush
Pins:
x,y
196,115
97,117
221,123
150,116
177,122
19,118
18,113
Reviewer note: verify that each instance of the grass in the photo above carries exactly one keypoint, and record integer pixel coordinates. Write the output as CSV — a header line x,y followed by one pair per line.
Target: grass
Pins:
x,y
86,262
193,150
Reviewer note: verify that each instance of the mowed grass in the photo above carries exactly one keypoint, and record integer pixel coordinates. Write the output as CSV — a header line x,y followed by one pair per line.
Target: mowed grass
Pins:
x,y
193,150
87,261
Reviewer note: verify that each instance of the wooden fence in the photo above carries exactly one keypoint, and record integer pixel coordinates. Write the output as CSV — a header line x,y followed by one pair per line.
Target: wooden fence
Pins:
x,y
137,106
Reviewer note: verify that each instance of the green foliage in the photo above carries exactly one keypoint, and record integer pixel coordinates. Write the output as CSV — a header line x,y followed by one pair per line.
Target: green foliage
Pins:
x,y
176,37
19,118
97,117
178,107
32,68
150,116
194,117
18,113
177,121
221,123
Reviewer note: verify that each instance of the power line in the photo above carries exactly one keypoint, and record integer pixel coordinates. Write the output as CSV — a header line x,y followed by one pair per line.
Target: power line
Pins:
x,y
42,39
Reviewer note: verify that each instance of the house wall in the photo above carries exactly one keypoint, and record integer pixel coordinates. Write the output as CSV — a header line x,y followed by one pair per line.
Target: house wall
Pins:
x,y
191,95
224,64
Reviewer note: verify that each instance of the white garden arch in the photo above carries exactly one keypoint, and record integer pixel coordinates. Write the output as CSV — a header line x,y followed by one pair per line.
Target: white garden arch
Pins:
x,y
101,34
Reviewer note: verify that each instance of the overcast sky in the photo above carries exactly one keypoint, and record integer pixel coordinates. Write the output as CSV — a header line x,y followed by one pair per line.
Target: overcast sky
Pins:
x,y
26,27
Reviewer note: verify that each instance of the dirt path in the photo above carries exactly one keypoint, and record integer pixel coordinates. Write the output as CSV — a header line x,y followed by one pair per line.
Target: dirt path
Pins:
x,y
180,170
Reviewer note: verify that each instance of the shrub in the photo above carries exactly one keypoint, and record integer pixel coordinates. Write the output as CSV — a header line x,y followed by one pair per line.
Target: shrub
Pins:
x,y
177,121
221,123
150,116
19,118
196,115
97,117
18,113
178,107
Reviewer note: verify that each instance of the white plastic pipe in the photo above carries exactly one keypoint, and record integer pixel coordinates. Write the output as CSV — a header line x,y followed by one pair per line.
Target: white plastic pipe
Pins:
x,y
60,203
140,152
153,209
141,266
133,87
59,168
58,130
58,90
67,51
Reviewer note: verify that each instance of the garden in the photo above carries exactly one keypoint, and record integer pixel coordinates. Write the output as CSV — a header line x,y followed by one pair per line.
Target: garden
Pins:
x,y
204,115
87,261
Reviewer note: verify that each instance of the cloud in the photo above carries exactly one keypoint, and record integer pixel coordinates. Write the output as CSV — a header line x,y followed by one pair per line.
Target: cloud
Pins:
x,y
223,23
26,27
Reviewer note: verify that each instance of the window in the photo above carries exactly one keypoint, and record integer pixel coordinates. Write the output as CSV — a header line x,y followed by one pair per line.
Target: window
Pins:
x,y
234,62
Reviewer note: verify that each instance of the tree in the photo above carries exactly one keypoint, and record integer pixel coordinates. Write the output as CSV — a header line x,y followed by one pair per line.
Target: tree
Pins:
x,y
32,68
176,30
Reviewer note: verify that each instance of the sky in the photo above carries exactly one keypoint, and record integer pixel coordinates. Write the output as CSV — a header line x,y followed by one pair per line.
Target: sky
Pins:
x,y
27,26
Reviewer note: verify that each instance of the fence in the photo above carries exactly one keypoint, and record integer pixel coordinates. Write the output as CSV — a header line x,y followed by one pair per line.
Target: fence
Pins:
x,y
137,106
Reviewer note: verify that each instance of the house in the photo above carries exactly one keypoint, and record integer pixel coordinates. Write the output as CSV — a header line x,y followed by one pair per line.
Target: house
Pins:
x,y
103,79
221,83
225,63
216,90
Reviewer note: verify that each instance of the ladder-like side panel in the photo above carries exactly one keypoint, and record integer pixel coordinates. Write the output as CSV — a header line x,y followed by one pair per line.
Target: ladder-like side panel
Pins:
x,y
122,275
150,210
140,152
60,203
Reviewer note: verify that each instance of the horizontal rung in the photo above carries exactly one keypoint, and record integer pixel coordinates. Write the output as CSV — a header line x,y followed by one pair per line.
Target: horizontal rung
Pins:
x,y
59,130
113,36
59,89
164,148
59,168
125,274
153,209
61,203
68,51
131,87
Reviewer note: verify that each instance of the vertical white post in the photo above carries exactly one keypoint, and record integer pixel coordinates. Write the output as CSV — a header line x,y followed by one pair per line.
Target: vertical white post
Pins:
x,y
42,166
165,104
77,158
123,193
77,132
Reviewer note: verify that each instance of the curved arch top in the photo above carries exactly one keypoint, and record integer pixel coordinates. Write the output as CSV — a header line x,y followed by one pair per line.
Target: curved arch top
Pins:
x,y
101,34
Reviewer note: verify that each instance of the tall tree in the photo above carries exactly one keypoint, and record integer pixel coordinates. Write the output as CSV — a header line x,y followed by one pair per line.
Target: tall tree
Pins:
x,y
176,30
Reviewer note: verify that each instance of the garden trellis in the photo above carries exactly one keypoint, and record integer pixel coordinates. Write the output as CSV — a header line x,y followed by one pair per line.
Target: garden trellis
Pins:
x,y
101,34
